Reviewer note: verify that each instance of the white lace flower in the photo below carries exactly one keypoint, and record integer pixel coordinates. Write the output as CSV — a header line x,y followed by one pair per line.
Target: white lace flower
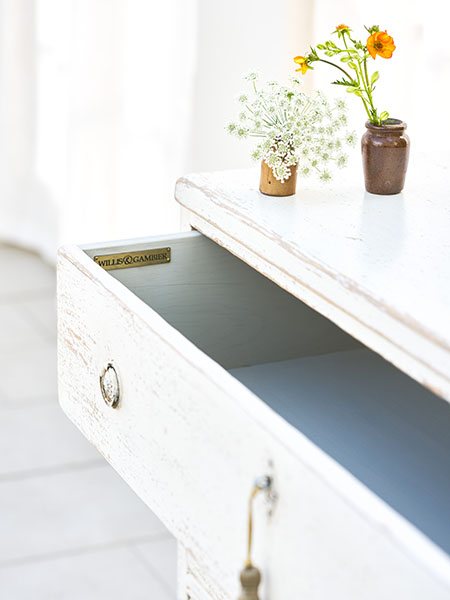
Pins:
x,y
281,172
295,81
271,159
292,128
351,138
342,161
251,76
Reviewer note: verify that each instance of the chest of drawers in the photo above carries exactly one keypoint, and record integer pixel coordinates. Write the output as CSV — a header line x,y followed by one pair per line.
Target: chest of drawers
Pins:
x,y
290,337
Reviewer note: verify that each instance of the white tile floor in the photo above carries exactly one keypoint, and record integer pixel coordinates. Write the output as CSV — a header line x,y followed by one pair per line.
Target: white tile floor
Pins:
x,y
70,528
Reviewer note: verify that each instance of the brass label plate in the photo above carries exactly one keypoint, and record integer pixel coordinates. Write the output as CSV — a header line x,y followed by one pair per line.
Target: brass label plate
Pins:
x,y
126,260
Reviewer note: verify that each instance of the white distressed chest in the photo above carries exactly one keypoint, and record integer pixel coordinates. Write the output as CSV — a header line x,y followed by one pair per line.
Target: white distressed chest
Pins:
x,y
307,338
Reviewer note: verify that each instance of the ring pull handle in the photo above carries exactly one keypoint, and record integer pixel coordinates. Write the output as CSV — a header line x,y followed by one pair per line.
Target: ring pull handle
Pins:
x,y
110,385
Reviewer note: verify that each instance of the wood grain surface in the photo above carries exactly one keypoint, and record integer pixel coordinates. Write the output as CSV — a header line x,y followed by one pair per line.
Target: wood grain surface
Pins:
x,y
377,266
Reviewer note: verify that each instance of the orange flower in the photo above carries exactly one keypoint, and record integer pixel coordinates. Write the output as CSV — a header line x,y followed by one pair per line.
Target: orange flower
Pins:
x,y
380,43
301,61
341,27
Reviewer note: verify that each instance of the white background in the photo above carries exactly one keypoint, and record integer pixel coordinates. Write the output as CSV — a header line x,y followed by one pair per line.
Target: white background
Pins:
x,y
104,103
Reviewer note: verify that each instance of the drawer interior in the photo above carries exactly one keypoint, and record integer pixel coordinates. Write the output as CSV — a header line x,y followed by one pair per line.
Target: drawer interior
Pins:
x,y
385,428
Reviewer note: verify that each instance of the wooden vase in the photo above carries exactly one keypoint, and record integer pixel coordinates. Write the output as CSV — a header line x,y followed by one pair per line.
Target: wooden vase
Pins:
x,y
271,186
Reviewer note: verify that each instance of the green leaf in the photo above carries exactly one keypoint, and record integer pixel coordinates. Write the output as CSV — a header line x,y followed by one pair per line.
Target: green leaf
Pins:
x,y
328,53
346,58
355,90
375,77
321,46
352,66
345,82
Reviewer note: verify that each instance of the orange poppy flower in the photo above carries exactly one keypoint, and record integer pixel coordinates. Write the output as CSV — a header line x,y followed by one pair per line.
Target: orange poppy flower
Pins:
x,y
380,43
340,27
301,61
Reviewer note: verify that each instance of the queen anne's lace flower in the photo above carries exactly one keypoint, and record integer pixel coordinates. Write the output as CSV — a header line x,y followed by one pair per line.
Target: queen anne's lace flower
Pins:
x,y
351,138
241,132
293,128
251,76
342,161
325,176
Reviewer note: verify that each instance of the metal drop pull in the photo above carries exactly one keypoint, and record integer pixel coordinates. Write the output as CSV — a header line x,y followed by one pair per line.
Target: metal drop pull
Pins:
x,y
110,385
250,576
250,579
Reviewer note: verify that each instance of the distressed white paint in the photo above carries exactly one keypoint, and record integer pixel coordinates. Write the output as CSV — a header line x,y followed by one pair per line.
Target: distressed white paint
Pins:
x,y
181,572
190,439
377,266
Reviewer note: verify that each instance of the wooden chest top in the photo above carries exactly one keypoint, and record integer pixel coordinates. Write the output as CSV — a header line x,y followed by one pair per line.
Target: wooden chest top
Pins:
x,y
377,266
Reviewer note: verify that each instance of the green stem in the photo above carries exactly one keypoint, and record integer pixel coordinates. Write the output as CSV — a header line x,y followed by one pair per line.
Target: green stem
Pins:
x,y
262,118
346,47
367,108
368,100
369,93
350,78
364,101
337,67
350,56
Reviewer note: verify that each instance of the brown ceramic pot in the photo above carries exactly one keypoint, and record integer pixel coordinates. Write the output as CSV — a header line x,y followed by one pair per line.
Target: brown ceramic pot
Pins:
x,y
271,186
385,153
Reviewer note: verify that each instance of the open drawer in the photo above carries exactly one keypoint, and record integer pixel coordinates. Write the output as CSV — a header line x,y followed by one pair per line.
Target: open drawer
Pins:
x,y
225,377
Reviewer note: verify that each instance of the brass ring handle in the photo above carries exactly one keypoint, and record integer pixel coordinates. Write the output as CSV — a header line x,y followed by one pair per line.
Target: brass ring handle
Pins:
x,y
110,385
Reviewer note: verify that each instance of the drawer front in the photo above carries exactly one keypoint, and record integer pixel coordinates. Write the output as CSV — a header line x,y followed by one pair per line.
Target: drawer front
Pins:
x,y
190,440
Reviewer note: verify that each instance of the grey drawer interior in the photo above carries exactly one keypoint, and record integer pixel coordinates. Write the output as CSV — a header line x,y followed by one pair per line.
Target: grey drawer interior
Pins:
x,y
386,429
